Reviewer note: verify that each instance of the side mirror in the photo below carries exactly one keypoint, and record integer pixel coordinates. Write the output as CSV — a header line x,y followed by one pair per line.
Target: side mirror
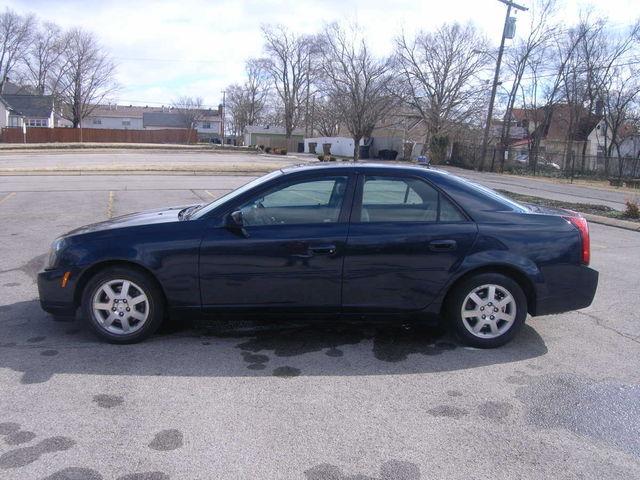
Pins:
x,y
235,224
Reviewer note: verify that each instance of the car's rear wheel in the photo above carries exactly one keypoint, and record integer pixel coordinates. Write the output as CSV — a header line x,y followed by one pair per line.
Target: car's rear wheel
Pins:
x,y
487,310
122,305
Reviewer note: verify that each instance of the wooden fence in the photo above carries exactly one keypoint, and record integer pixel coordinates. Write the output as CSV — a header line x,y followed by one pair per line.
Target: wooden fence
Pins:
x,y
99,135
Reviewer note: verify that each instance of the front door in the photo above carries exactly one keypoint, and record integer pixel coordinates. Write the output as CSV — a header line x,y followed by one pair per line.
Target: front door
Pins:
x,y
292,255
405,238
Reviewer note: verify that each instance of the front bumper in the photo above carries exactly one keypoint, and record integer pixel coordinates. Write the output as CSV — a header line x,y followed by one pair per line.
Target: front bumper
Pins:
x,y
54,298
567,289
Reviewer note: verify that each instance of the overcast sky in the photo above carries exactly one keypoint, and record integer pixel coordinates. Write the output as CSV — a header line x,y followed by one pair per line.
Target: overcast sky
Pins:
x,y
165,49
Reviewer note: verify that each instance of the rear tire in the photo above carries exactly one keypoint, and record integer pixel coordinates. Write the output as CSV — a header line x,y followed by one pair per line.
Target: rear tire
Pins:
x,y
487,310
123,305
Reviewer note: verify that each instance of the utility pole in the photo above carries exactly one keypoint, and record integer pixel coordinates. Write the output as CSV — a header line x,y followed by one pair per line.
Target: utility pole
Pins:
x,y
224,108
496,77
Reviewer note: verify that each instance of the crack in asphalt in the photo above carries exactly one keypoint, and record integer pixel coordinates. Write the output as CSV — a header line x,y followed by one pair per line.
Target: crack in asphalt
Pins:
x,y
599,322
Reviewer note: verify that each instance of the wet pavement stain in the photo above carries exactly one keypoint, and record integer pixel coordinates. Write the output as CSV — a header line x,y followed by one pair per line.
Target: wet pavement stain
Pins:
x,y
391,470
49,353
494,410
108,401
30,377
25,455
167,440
30,268
390,343
255,362
448,411
286,372
18,438
36,339
75,473
8,428
334,352
604,411
145,476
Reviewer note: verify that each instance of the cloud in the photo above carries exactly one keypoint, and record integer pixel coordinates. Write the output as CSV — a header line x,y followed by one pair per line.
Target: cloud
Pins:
x,y
165,49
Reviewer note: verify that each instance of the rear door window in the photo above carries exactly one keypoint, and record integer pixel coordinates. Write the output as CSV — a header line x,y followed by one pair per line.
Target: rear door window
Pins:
x,y
404,199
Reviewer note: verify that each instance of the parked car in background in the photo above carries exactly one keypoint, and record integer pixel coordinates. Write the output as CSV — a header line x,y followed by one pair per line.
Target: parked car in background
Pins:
x,y
357,240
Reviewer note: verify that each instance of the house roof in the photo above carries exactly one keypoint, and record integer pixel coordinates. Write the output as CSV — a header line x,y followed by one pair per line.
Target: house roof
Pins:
x,y
10,88
33,106
270,129
136,111
560,118
163,119
128,111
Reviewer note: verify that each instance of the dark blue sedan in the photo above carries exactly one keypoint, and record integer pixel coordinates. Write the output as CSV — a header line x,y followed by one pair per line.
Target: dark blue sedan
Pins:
x,y
356,240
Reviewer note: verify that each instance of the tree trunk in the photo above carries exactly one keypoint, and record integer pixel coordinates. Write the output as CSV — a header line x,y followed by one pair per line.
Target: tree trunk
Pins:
x,y
356,148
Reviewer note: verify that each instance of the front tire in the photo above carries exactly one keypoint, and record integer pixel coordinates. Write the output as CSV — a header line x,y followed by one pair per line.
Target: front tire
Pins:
x,y
487,310
122,305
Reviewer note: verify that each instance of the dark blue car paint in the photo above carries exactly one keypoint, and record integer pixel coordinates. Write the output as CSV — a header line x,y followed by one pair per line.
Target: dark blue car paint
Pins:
x,y
387,268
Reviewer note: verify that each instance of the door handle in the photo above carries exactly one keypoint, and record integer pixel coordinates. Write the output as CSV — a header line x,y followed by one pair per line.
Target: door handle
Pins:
x,y
322,249
442,245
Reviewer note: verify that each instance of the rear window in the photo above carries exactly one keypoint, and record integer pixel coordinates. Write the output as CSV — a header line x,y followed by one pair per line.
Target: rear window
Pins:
x,y
500,201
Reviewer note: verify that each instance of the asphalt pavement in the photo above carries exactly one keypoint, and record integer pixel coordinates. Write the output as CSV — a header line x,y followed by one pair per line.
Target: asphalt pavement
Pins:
x,y
312,402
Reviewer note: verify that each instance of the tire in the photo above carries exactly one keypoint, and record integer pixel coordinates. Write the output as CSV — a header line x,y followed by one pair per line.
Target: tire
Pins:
x,y
119,316
504,314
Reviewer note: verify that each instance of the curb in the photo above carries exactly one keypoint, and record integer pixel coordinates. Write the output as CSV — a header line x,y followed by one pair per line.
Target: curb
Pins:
x,y
75,173
612,222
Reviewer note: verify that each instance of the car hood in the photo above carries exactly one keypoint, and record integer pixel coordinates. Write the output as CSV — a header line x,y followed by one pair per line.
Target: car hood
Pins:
x,y
147,217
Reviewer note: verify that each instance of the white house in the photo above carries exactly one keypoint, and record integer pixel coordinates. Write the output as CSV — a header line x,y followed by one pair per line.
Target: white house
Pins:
x,y
30,110
118,117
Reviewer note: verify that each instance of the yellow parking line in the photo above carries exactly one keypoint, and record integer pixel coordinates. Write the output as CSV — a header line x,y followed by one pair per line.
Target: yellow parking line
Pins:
x,y
110,205
209,193
7,197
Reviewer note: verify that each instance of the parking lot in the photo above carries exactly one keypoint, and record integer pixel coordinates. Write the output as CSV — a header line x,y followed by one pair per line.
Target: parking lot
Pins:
x,y
314,402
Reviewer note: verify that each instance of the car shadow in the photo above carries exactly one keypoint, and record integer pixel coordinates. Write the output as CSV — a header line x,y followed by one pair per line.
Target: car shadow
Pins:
x,y
38,347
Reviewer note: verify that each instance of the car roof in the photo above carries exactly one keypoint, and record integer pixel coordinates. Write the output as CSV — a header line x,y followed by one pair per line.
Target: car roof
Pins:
x,y
390,166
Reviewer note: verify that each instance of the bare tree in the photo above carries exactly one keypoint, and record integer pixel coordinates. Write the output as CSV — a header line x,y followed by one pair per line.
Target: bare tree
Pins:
x,y
621,102
542,32
85,76
439,74
356,82
15,37
44,56
326,117
246,103
288,61
190,111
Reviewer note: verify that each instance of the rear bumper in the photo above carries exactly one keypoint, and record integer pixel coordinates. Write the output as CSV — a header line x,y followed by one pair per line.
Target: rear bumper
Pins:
x,y
53,297
571,289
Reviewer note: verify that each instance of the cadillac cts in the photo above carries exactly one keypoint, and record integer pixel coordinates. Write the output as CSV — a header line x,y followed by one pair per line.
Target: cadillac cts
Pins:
x,y
356,240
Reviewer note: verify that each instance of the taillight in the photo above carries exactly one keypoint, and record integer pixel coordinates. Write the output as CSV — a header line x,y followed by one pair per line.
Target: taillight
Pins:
x,y
583,227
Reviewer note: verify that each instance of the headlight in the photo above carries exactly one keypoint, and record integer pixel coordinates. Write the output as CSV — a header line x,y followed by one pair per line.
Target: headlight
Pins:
x,y
54,253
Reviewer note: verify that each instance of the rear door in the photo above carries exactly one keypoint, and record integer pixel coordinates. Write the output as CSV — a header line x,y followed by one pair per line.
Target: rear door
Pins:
x,y
405,239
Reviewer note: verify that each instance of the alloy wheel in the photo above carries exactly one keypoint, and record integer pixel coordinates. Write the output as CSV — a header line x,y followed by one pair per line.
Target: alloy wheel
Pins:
x,y
120,306
488,311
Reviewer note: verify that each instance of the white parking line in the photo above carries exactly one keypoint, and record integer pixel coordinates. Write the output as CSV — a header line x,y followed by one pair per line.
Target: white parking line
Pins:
x,y
7,197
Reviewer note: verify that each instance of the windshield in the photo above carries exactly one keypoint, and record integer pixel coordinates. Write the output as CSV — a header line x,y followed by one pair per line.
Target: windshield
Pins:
x,y
204,209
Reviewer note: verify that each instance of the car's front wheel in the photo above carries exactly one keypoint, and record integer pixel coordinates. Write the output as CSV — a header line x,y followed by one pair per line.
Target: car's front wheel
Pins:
x,y
487,310
122,305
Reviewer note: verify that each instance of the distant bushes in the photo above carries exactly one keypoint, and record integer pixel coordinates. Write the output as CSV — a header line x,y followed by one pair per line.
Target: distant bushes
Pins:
x,y
632,209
